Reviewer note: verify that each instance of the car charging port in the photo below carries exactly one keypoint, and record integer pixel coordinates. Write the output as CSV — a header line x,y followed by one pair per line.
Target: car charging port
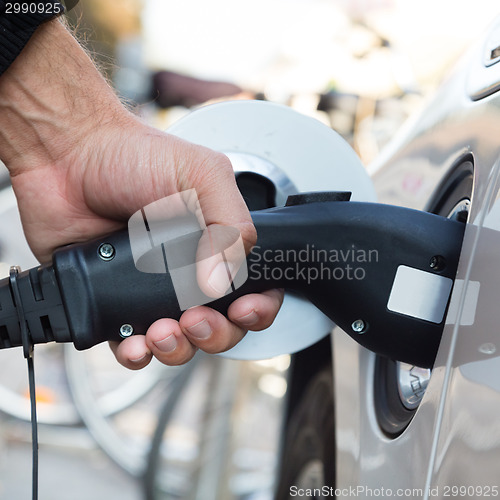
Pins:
x,y
399,388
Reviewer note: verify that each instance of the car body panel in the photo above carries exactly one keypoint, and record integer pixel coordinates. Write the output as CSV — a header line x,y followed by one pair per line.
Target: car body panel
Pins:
x,y
454,437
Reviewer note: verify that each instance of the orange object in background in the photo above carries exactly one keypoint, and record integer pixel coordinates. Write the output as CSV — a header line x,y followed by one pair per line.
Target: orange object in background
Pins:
x,y
44,395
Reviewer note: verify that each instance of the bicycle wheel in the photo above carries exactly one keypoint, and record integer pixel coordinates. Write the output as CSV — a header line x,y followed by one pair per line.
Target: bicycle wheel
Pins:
x,y
53,398
309,448
218,438
112,387
118,406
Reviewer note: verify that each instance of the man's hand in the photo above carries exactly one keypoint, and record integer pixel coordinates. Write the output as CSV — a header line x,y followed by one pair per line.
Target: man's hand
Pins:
x,y
81,164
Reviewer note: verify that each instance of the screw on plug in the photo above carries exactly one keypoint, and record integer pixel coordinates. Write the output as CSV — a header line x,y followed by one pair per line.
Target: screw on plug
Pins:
x,y
126,330
358,326
437,263
106,251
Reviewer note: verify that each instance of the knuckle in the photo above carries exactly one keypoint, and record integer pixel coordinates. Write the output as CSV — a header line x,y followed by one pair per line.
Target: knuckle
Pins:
x,y
222,163
215,162
249,234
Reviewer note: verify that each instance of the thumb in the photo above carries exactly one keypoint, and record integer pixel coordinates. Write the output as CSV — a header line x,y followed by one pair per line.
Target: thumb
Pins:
x,y
220,199
220,260
229,234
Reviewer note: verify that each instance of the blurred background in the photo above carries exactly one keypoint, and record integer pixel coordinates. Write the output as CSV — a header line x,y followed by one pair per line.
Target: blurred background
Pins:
x,y
211,430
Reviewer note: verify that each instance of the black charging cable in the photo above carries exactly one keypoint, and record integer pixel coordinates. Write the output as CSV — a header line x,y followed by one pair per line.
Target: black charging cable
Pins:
x,y
28,352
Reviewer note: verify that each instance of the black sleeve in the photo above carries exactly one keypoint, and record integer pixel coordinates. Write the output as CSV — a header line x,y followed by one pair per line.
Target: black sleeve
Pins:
x,y
16,29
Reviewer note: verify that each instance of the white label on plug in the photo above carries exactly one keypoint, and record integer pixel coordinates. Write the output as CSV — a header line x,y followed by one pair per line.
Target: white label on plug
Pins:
x,y
419,294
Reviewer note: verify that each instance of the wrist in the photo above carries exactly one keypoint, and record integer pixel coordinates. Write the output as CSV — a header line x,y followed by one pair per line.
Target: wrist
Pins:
x,y
51,99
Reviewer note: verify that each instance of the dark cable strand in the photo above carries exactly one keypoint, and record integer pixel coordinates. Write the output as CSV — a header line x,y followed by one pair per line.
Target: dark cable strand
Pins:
x,y
28,352
34,426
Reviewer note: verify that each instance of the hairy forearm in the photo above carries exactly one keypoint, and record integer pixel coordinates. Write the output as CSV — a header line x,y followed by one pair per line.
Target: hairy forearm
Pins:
x,y
51,99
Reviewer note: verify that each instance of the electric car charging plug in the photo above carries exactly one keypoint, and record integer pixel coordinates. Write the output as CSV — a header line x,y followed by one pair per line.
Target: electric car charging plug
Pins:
x,y
384,274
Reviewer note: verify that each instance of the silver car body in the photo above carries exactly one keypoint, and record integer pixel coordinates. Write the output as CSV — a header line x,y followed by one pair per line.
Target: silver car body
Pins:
x,y
452,445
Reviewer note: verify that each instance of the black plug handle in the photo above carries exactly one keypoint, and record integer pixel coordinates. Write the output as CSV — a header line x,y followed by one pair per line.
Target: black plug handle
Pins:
x,y
342,256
